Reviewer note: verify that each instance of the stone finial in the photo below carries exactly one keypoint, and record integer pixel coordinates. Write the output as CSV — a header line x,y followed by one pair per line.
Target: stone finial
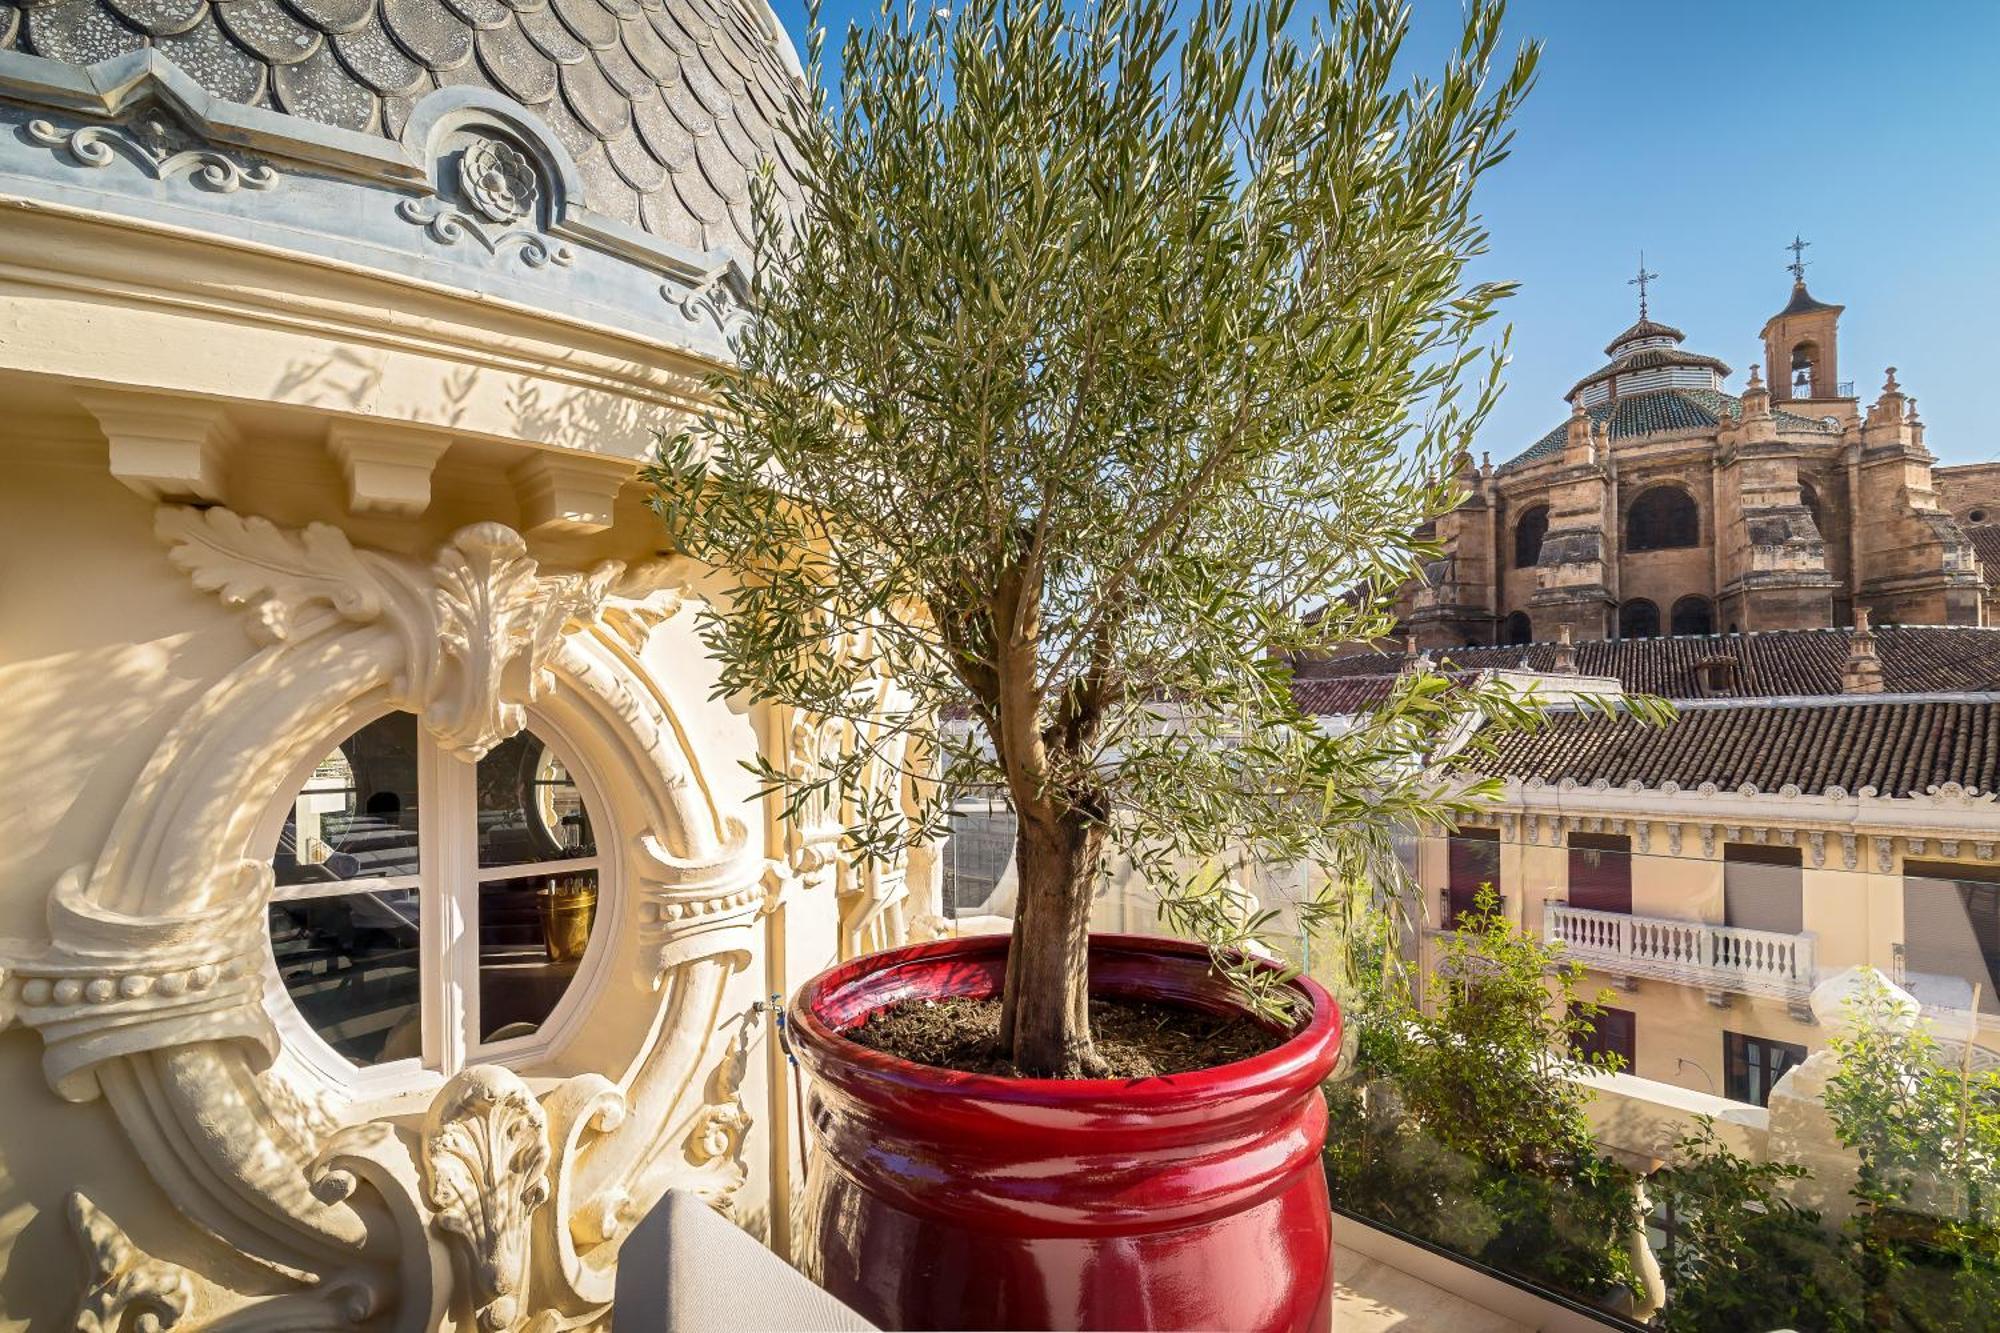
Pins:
x,y
1889,384
1862,672
1485,463
1565,663
1756,397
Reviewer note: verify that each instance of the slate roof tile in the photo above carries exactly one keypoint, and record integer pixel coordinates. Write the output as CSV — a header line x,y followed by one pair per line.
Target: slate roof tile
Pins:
x,y
689,70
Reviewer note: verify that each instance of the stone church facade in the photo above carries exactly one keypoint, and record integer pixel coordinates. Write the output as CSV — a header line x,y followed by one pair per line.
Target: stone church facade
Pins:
x,y
1667,505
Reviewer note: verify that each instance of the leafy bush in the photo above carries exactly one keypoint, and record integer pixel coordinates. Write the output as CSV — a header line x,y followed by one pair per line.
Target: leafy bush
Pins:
x,y
1462,1125
1740,1254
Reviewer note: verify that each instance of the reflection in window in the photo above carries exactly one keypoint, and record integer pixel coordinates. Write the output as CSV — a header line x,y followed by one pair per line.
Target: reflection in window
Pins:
x,y
355,817
529,808
1951,934
353,888
1752,1066
533,930
350,963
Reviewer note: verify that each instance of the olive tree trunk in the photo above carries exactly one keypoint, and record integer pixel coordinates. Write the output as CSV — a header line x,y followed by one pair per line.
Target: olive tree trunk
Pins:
x,y
1045,1016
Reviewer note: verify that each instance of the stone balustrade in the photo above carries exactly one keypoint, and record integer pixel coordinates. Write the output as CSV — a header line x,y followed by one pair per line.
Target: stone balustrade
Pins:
x,y
1726,959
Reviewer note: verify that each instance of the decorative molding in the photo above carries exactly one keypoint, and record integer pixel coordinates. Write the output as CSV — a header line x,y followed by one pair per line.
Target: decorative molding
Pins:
x,y
1816,841
486,1162
387,468
448,225
1644,828
561,492
127,1286
147,991
1848,854
158,146
722,300
1708,840
1885,854
163,447
1674,832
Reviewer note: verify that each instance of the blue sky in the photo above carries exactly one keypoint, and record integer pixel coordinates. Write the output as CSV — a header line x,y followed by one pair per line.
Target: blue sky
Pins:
x,y
1707,134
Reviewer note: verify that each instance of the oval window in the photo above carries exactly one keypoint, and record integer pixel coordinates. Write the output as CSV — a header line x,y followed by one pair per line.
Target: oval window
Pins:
x,y
387,839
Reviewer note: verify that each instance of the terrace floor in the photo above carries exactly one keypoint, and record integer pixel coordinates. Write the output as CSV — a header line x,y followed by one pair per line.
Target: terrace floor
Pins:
x,y
1371,1296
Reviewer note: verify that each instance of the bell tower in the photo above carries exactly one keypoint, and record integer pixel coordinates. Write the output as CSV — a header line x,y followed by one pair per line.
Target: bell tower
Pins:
x,y
1801,342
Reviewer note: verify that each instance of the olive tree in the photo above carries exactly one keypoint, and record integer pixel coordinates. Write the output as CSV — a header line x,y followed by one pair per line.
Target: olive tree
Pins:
x,y
1101,348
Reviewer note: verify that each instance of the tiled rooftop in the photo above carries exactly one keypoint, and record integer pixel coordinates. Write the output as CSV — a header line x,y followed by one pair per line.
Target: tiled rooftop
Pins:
x,y
1899,748
1986,548
1915,660
1658,412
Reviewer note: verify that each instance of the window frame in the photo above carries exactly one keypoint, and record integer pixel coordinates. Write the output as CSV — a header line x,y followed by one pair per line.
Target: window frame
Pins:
x,y
1794,1054
1645,494
448,881
1535,511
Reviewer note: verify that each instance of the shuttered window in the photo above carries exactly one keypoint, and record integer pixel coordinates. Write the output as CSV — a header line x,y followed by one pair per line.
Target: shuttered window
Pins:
x,y
1600,872
1951,933
1473,859
1763,888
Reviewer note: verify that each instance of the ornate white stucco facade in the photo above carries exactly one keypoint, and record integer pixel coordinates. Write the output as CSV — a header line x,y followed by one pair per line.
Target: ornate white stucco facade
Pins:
x,y
303,427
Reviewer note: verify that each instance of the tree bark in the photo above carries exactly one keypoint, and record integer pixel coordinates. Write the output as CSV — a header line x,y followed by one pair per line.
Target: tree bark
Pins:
x,y
1045,1016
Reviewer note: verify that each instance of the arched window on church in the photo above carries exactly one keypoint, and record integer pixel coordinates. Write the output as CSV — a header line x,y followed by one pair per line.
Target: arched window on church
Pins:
x,y
1517,629
1528,533
1805,365
1663,518
1809,497
1693,615
1638,619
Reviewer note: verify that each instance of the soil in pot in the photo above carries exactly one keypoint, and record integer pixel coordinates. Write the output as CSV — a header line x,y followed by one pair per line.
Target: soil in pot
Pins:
x,y
1136,1038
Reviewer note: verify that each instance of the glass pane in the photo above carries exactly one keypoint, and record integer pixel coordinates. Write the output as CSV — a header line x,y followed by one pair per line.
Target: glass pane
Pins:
x,y
532,933
529,809
355,817
350,963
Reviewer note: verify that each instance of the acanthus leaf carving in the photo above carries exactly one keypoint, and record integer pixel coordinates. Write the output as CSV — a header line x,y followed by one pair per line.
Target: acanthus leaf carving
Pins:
x,y
128,1288
251,562
497,620
486,1159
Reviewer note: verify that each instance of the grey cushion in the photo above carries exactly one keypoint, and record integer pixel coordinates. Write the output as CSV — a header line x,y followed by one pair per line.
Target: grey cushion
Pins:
x,y
685,1269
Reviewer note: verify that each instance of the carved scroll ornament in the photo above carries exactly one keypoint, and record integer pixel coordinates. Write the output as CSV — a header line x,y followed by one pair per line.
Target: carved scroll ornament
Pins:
x,y
148,990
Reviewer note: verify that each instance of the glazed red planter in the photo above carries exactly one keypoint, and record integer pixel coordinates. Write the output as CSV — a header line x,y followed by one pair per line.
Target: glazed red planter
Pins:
x,y
942,1200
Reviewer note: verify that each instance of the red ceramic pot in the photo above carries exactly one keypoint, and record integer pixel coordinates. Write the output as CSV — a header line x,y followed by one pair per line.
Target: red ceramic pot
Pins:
x,y
939,1199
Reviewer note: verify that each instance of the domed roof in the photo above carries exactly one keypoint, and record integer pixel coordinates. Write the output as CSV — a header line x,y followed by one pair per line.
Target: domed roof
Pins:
x,y
1648,358
1660,412
666,106
1645,330
1804,302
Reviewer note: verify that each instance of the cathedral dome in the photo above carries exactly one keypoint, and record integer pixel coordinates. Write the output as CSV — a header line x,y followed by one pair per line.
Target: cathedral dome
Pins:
x,y
665,107
1647,357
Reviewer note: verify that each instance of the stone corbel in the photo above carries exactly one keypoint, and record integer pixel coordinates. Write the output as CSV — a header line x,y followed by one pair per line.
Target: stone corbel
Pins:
x,y
387,468
163,446
561,492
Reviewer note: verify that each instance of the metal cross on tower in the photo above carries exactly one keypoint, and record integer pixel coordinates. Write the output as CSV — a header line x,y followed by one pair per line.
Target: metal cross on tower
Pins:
x,y
1798,264
1640,282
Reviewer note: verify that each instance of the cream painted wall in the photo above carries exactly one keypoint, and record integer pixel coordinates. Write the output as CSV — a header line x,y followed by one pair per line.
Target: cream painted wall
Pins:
x,y
103,645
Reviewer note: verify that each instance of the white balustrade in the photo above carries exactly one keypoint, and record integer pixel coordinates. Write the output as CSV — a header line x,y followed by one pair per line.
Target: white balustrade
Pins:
x,y
1694,953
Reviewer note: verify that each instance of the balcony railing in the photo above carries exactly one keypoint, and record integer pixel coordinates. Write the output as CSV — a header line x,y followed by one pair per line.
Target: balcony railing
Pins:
x,y
1720,959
